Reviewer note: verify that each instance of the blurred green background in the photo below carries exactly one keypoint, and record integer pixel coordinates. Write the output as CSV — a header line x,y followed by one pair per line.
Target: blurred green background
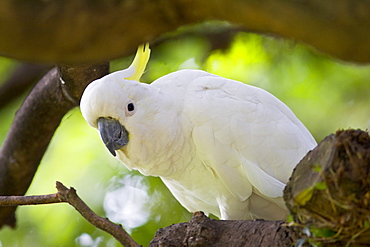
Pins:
x,y
324,93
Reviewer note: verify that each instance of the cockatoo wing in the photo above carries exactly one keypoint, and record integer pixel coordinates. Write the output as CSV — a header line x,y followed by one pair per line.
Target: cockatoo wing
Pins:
x,y
242,134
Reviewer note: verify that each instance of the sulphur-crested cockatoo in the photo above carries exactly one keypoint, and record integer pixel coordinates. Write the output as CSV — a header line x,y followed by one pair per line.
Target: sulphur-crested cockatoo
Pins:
x,y
220,146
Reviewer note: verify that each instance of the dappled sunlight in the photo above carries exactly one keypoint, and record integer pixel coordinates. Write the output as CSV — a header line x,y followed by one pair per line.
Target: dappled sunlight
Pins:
x,y
85,240
245,60
129,204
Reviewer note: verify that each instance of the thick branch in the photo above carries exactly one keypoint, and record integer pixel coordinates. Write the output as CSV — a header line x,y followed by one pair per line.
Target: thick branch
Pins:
x,y
35,124
70,196
202,231
81,31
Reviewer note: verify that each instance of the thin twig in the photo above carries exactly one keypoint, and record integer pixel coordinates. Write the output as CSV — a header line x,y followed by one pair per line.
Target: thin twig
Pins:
x,y
70,196
28,200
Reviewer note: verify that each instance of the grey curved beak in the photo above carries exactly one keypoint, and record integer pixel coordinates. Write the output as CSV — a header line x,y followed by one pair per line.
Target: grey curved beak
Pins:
x,y
113,134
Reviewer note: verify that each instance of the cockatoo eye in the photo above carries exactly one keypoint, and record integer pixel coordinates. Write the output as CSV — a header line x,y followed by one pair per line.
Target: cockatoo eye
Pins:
x,y
130,109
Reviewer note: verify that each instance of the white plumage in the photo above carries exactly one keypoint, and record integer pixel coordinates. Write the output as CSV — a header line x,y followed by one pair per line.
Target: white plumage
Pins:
x,y
220,146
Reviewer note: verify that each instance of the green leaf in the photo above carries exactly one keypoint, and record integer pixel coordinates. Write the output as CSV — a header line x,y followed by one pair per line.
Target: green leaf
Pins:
x,y
320,186
322,232
366,224
290,218
316,168
304,196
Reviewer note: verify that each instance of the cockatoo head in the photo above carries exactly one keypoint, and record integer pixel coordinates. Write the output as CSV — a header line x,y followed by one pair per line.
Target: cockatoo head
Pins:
x,y
110,104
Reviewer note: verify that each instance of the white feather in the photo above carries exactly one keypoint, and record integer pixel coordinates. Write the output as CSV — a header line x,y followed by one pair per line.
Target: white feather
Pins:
x,y
219,145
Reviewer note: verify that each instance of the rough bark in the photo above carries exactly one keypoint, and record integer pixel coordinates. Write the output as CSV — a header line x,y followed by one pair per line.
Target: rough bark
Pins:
x,y
329,191
202,231
34,126
82,31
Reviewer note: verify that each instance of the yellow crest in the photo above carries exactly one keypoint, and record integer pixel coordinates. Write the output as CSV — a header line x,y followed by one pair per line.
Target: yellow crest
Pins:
x,y
140,61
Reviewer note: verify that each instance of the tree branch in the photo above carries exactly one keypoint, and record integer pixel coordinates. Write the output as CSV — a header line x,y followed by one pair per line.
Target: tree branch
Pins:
x,y
203,231
70,196
34,126
200,231
53,31
28,200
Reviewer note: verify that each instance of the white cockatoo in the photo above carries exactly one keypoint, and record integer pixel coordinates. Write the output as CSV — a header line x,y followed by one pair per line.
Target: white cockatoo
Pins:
x,y
220,146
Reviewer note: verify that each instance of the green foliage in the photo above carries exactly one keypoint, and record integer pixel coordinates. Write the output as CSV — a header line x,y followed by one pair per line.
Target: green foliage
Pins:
x,y
6,115
321,232
316,168
324,93
304,196
320,186
290,219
